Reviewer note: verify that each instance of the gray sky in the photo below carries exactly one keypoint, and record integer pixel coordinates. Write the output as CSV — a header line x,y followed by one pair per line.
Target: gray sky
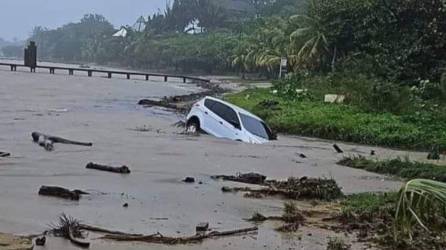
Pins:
x,y
18,17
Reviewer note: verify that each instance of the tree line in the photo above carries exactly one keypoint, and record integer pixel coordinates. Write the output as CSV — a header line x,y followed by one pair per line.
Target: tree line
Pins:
x,y
399,40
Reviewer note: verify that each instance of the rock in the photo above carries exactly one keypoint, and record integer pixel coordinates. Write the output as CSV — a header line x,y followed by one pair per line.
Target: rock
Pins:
x,y
189,180
334,98
125,205
11,242
41,241
302,156
372,153
202,227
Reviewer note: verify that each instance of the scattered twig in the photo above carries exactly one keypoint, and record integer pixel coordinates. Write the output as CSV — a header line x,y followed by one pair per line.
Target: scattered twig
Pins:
x,y
160,239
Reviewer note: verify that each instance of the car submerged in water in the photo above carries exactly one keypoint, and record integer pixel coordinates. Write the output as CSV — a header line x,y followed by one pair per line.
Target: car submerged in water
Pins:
x,y
224,120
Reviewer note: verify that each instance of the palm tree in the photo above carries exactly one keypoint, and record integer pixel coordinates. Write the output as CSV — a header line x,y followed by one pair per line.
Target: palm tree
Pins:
x,y
420,200
308,42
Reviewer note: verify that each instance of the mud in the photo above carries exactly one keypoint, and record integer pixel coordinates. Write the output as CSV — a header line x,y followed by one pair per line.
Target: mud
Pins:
x,y
105,111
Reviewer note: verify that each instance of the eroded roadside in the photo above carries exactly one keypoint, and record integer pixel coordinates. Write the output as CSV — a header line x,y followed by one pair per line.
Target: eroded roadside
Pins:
x,y
106,112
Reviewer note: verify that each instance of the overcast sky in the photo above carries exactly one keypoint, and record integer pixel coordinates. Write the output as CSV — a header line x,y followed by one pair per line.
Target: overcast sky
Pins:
x,y
18,17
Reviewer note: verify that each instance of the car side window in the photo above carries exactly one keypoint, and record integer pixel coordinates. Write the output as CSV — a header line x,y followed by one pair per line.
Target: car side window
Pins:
x,y
208,103
227,114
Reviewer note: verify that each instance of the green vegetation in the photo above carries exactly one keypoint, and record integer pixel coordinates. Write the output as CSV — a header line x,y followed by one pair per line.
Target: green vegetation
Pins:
x,y
420,201
336,243
374,216
398,167
303,115
366,206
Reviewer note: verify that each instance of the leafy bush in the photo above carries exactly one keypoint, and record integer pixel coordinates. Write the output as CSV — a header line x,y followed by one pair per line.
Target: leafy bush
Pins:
x,y
344,122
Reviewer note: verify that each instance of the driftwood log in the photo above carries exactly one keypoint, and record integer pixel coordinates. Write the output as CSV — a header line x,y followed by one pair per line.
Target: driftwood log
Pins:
x,y
160,239
47,141
249,178
4,154
119,170
61,192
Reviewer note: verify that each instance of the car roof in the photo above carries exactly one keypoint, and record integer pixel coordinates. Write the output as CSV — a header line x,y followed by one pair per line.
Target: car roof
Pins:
x,y
236,108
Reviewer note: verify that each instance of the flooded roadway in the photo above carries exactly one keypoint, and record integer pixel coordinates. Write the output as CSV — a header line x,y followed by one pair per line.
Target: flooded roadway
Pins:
x,y
104,111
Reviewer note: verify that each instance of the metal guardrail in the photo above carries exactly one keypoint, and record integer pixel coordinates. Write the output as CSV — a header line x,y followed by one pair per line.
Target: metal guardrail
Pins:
x,y
110,73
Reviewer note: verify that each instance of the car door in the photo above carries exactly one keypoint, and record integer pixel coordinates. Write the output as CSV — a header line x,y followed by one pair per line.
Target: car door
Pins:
x,y
225,121
210,123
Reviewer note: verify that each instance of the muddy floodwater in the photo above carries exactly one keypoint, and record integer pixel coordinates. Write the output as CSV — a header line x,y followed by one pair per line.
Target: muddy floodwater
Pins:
x,y
104,111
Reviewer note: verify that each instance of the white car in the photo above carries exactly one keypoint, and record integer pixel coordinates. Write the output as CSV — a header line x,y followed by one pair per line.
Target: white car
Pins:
x,y
224,120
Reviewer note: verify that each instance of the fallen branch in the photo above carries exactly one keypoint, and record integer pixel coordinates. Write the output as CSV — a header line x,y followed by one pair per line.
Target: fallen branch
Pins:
x,y
69,228
294,188
4,154
47,141
249,178
160,239
103,230
119,170
61,192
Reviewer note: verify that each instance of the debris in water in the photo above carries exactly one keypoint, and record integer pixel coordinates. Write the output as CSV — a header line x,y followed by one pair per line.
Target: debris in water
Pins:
x,y
294,188
179,124
4,154
189,180
47,141
338,149
69,228
303,156
249,178
372,153
41,241
202,227
119,170
61,192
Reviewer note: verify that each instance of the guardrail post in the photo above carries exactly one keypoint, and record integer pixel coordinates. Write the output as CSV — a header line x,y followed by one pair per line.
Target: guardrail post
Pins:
x,y
71,72
32,69
165,78
184,79
109,75
128,76
51,70
147,77
90,73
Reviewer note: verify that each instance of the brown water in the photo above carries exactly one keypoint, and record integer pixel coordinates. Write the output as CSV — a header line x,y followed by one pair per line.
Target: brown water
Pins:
x,y
104,111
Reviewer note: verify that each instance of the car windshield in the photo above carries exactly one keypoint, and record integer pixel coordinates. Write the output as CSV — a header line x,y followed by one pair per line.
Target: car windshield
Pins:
x,y
256,127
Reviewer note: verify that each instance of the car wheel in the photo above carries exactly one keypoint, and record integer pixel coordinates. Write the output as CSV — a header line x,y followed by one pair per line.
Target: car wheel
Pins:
x,y
193,126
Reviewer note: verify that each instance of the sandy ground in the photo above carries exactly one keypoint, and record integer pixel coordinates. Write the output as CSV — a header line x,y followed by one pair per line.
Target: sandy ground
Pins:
x,y
104,111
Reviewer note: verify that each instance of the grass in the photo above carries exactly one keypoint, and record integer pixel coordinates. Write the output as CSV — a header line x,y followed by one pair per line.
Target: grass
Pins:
x,y
336,243
369,206
398,167
340,121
